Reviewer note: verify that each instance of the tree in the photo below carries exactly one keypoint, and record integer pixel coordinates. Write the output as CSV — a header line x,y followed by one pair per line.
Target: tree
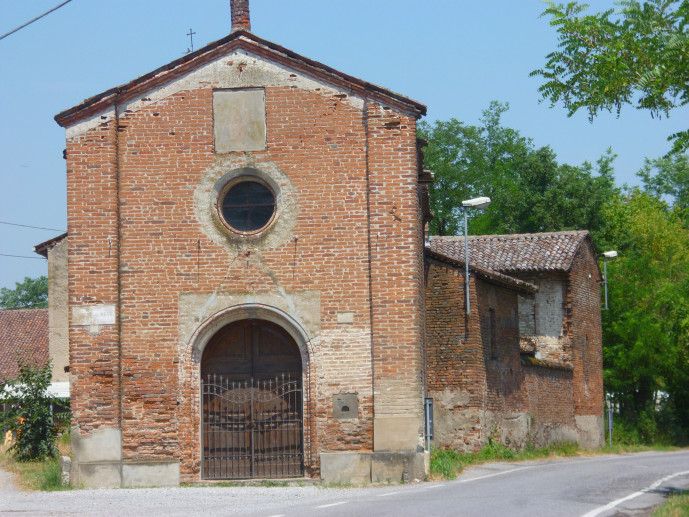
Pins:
x,y
638,55
32,293
646,331
669,177
530,191
30,415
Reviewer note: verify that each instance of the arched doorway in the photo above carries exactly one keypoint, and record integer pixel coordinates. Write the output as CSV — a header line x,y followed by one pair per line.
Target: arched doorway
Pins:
x,y
251,382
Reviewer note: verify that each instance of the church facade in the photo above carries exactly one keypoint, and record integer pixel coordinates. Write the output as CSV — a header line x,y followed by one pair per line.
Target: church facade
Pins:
x,y
244,222
248,282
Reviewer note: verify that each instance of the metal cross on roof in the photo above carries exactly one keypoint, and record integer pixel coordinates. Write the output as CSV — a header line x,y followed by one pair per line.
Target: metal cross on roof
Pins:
x,y
191,37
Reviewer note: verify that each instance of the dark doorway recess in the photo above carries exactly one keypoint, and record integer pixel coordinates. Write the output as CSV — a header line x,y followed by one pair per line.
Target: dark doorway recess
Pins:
x,y
251,380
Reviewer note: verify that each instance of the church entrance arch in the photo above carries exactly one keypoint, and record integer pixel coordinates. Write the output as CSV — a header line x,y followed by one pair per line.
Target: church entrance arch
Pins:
x,y
251,385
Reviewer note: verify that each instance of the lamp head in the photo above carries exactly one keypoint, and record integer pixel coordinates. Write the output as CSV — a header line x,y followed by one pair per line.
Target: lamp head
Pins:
x,y
480,203
610,254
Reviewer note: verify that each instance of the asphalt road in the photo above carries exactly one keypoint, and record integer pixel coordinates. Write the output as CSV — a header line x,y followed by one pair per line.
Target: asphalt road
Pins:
x,y
597,486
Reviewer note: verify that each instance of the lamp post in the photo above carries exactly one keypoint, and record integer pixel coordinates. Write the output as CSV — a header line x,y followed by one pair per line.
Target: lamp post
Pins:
x,y
607,255
480,203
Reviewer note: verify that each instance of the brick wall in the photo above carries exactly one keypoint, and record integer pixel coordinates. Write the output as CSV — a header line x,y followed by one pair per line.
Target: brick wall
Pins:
x,y
397,257
481,389
567,328
455,366
454,356
584,307
504,376
92,257
549,391
332,149
476,381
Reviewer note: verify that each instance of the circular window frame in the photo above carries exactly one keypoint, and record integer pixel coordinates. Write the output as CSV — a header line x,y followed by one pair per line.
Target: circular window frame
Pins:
x,y
244,178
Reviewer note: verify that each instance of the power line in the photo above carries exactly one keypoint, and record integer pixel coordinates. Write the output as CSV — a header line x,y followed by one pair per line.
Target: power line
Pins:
x,y
29,226
35,19
21,256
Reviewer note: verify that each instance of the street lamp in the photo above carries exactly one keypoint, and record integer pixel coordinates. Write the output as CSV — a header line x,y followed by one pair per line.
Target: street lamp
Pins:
x,y
607,255
480,203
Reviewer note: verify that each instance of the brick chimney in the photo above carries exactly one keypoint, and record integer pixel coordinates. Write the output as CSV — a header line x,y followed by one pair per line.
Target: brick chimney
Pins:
x,y
240,15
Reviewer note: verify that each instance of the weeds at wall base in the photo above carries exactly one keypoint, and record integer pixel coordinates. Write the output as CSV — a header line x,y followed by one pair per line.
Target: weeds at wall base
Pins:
x,y
448,463
34,475
37,475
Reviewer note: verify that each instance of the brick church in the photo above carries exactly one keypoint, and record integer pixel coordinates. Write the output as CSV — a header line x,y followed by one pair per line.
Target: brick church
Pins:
x,y
250,295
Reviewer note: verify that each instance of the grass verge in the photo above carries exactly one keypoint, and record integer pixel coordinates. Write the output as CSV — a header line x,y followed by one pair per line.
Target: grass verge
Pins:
x,y
37,475
448,463
676,506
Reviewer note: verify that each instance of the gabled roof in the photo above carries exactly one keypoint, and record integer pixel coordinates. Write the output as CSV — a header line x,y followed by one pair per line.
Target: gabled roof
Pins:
x,y
43,248
23,334
238,39
552,251
486,274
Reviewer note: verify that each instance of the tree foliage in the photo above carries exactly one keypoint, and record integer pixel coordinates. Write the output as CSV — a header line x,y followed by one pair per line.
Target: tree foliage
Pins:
x,y
32,293
530,191
30,414
669,178
646,331
637,55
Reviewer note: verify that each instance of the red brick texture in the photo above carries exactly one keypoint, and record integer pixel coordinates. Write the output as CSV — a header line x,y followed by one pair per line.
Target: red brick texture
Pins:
x,y
562,390
351,169
240,14
550,397
584,315
470,373
479,381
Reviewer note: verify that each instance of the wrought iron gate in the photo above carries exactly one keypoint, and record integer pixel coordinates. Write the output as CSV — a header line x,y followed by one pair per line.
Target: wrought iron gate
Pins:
x,y
252,429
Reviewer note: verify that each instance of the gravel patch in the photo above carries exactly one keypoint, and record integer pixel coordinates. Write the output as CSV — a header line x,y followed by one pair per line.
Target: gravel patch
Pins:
x,y
178,501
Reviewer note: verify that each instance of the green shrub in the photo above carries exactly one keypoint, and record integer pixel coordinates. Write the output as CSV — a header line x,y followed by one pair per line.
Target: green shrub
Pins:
x,y
446,463
30,415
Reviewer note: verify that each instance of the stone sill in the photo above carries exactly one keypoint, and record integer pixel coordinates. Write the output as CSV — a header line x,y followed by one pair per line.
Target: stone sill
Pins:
x,y
541,363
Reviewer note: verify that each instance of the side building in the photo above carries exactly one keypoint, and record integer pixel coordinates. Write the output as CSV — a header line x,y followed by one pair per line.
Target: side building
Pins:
x,y
55,251
557,383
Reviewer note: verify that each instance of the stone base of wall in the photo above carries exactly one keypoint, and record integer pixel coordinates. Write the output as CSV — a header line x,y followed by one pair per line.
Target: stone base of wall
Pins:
x,y
98,463
591,431
361,468
126,474
468,430
545,434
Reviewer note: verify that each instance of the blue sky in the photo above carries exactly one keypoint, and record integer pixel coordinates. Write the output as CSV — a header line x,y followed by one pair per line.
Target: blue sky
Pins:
x,y
455,56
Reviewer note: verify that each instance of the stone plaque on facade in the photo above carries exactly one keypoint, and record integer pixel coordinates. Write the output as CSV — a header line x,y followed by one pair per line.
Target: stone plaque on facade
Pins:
x,y
345,405
93,315
345,318
239,120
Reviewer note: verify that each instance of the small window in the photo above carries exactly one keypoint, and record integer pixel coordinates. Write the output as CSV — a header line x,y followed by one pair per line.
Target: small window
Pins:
x,y
247,206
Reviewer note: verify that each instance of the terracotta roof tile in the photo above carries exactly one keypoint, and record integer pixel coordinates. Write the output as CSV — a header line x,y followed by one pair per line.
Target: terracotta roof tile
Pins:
x,y
553,251
486,274
23,334
42,248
